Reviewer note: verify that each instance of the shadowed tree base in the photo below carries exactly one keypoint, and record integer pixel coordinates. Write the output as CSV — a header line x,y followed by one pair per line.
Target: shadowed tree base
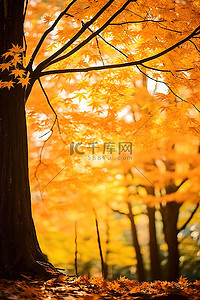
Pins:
x,y
20,252
35,270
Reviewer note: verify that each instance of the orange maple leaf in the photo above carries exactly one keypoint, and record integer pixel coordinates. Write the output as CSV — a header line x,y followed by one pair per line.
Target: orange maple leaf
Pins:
x,y
16,59
48,19
8,84
7,54
24,81
5,66
18,73
16,49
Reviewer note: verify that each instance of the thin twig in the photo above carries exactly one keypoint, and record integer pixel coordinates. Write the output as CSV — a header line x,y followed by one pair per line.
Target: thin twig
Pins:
x,y
169,29
146,178
53,178
119,212
194,45
37,167
160,81
51,130
135,22
109,43
147,20
112,46
97,42
189,219
167,71
47,98
98,47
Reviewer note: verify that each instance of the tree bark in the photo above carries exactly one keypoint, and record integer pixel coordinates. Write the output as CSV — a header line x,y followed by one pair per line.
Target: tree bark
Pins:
x,y
19,248
153,246
140,263
170,213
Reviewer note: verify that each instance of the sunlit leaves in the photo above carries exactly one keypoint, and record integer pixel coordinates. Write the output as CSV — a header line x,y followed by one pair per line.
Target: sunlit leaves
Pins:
x,y
109,106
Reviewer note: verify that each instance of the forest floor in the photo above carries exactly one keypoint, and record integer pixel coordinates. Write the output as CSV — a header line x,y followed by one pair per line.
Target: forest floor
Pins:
x,y
82,288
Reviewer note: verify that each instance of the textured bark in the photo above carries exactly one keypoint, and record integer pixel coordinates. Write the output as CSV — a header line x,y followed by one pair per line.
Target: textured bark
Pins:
x,y
153,246
170,214
140,263
19,248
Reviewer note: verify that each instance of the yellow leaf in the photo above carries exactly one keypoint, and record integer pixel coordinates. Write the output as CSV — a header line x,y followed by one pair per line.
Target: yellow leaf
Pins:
x,y
95,105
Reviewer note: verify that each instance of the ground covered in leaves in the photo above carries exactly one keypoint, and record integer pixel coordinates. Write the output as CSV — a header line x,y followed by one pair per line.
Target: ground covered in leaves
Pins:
x,y
82,288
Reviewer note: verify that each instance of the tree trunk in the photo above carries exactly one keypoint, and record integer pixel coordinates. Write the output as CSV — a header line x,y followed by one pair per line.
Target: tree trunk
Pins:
x,y
153,246
170,213
107,249
19,248
140,263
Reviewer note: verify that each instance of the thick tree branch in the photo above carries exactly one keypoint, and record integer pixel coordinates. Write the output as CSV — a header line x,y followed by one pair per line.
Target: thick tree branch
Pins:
x,y
189,219
123,65
44,63
25,10
51,28
49,61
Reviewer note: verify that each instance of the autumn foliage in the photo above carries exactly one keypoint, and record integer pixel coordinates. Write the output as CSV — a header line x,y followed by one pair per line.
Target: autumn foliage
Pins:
x,y
121,78
83,288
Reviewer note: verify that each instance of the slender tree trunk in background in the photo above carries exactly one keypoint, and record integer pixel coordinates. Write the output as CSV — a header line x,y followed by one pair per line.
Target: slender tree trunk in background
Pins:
x,y
170,213
107,250
153,246
19,248
140,263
